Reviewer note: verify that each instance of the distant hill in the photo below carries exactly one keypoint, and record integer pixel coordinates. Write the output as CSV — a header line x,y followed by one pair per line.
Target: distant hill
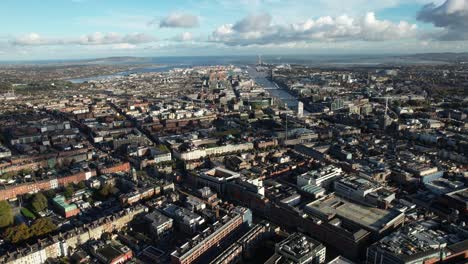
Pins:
x,y
116,60
447,56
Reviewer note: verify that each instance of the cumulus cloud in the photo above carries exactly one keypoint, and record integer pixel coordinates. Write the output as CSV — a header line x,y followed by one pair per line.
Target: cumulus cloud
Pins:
x,y
451,17
179,20
97,38
259,30
253,23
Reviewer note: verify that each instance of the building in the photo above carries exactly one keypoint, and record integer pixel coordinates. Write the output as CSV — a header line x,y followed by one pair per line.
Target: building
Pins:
x,y
456,200
60,245
159,223
213,151
421,242
322,177
300,109
114,168
4,152
64,208
336,104
341,154
245,246
298,249
442,186
139,194
211,237
340,260
186,220
153,255
363,191
131,139
424,172
110,253
372,219
161,156
216,179
312,190
266,143
236,163
310,151
11,191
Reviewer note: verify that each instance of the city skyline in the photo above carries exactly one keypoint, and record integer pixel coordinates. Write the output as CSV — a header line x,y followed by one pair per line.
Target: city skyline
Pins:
x,y
234,131
76,29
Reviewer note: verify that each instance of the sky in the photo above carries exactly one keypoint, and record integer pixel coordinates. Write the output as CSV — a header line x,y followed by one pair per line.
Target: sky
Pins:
x,y
75,29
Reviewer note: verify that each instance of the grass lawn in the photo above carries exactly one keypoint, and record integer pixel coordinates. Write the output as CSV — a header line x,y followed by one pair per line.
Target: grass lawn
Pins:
x,y
25,211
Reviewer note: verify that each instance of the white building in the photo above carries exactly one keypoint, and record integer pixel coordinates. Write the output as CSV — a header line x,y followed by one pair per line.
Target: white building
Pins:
x,y
218,150
300,109
321,177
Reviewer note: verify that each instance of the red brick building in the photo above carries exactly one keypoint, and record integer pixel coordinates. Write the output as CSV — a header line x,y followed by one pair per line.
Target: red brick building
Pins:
x,y
10,192
120,167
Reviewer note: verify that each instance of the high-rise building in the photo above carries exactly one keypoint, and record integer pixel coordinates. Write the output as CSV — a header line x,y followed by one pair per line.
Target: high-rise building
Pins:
x,y
300,109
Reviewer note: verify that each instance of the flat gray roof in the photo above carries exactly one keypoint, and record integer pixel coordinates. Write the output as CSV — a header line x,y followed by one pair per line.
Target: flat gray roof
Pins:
x,y
370,217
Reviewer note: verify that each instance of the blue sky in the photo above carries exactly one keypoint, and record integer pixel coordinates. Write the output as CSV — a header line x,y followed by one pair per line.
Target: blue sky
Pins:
x,y
68,29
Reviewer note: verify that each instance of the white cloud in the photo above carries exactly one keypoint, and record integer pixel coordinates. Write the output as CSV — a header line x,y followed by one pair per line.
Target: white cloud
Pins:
x,y
97,38
179,20
284,10
259,29
124,46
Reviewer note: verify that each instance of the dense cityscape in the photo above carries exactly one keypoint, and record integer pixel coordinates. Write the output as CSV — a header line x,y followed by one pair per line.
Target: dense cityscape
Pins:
x,y
234,132
260,163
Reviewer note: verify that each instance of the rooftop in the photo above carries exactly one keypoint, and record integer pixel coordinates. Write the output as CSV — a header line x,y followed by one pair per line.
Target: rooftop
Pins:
x,y
461,195
221,173
419,239
309,188
323,172
369,217
358,183
60,201
298,246
157,219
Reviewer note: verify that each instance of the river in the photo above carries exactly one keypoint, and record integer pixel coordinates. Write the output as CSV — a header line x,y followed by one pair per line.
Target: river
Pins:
x,y
273,89
260,78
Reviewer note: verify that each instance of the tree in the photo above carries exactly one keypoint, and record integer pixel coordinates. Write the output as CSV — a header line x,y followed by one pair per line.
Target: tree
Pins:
x,y
89,199
39,202
8,175
69,190
105,191
18,233
6,214
42,226
50,193
81,185
5,86
22,232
